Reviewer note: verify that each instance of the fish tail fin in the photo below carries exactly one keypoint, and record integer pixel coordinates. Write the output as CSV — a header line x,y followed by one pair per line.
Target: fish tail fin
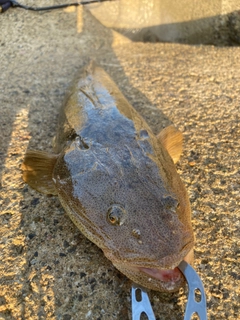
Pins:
x,y
172,140
37,170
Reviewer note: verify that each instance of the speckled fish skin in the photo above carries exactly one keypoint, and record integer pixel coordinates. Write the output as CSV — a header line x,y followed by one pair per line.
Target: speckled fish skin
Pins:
x,y
118,183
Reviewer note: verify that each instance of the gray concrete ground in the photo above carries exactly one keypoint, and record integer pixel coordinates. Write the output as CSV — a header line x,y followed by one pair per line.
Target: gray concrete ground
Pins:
x,y
48,270
194,22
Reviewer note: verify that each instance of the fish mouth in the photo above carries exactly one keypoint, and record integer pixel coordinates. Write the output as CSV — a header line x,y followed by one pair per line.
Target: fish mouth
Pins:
x,y
167,275
156,275
171,275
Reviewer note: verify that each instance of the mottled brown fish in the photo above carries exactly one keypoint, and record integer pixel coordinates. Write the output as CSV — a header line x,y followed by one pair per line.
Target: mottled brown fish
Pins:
x,y
118,183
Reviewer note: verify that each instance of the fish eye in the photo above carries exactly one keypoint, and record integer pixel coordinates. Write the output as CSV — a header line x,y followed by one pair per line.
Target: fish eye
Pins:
x,y
116,215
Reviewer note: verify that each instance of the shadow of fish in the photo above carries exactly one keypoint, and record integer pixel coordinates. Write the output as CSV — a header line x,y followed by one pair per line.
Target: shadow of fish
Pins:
x,y
117,182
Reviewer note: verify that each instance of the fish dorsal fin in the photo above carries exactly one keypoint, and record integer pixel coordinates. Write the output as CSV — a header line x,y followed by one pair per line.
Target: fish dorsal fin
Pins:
x,y
37,170
172,140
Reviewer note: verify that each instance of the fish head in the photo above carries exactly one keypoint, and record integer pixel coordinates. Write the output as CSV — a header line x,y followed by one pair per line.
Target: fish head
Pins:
x,y
130,204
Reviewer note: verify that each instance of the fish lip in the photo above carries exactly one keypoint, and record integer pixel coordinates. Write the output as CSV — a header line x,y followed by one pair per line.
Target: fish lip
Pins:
x,y
167,274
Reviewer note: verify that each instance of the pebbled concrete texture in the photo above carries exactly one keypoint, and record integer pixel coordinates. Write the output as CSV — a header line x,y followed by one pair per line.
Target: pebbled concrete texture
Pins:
x,y
48,270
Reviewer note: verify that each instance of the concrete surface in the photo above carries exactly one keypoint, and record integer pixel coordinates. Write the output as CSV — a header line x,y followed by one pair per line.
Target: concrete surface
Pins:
x,y
48,270
194,22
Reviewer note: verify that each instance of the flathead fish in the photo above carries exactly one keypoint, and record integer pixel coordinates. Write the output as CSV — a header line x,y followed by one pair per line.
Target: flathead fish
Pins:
x,y
117,182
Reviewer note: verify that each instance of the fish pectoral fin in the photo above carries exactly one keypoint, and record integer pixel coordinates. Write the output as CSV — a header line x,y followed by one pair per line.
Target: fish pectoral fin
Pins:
x,y
172,140
37,170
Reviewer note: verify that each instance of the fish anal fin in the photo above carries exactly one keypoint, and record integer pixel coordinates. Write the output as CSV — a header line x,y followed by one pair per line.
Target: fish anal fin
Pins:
x,y
172,140
37,170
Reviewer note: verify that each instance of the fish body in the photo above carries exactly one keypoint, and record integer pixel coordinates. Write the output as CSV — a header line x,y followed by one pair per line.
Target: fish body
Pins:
x,y
117,182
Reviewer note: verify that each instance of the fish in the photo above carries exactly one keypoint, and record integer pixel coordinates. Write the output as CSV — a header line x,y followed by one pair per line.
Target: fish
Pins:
x,y
117,182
